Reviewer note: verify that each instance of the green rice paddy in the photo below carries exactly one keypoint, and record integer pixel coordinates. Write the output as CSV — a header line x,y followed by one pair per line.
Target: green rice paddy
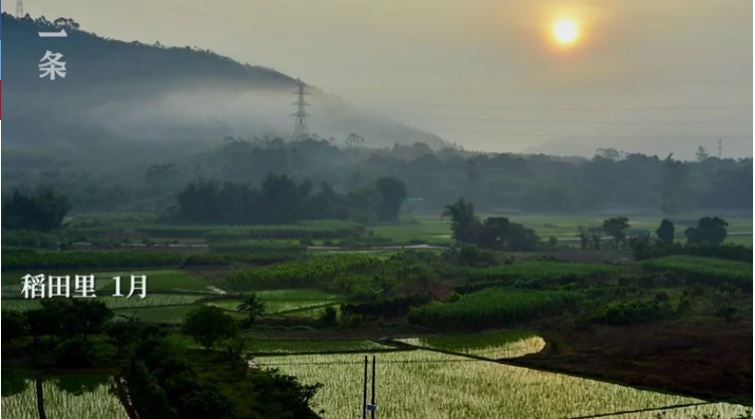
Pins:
x,y
82,397
19,399
459,387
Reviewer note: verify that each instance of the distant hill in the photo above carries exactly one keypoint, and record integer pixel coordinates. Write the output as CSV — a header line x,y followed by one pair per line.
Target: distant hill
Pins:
x,y
125,97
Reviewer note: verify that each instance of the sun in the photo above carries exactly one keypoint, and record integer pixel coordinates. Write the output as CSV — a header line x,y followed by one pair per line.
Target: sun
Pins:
x,y
566,31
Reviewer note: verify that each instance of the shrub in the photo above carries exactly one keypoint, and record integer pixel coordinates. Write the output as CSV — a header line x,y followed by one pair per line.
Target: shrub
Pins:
x,y
633,312
209,324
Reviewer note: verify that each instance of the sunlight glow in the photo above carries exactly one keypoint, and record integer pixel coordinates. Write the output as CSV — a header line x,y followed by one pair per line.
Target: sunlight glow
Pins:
x,y
565,31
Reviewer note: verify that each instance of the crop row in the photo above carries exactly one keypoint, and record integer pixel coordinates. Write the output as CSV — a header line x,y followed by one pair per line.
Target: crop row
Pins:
x,y
544,270
712,271
493,306
310,272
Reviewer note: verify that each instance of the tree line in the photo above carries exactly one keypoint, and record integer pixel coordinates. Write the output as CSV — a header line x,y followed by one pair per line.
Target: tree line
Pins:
x,y
608,180
280,200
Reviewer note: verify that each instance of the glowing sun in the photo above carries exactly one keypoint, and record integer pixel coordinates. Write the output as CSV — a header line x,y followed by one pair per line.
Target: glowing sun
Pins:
x,y
566,31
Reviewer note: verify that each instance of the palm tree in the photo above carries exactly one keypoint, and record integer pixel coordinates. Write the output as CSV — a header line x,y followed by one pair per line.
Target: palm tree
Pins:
x,y
464,222
253,306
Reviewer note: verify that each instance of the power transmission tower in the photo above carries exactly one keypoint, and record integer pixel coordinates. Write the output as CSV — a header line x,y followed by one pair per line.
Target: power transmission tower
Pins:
x,y
19,8
300,125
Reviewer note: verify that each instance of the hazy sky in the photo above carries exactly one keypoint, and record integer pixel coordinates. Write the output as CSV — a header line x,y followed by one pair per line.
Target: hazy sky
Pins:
x,y
645,75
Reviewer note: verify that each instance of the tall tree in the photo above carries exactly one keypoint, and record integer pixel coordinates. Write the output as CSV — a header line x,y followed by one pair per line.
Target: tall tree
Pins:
x,y
616,227
673,185
665,231
209,324
392,195
464,223
253,306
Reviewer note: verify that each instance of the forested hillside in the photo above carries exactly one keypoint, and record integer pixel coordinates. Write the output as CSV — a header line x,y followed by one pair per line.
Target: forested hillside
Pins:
x,y
139,102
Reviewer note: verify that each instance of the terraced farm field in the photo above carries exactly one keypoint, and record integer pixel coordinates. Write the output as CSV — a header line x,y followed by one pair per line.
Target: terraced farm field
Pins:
x,y
449,386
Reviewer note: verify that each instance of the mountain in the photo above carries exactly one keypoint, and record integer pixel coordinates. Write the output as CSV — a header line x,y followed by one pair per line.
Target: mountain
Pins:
x,y
132,100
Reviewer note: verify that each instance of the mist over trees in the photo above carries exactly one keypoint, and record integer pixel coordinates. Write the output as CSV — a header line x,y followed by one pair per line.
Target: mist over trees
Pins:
x,y
92,149
493,181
